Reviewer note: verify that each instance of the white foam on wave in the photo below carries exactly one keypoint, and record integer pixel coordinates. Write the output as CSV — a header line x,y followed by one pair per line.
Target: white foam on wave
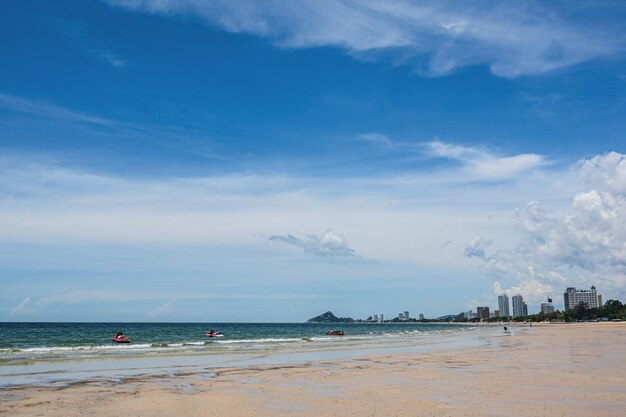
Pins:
x,y
265,340
53,349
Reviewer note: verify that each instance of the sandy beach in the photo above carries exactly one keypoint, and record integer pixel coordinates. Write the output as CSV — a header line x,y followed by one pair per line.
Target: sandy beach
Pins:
x,y
548,370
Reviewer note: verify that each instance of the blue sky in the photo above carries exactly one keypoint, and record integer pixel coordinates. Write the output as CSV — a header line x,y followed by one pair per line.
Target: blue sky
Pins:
x,y
268,161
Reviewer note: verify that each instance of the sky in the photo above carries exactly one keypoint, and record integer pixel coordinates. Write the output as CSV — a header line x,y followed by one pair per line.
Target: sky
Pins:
x,y
268,161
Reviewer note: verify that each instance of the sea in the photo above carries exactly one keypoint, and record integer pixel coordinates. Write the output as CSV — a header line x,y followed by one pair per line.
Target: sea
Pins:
x,y
49,352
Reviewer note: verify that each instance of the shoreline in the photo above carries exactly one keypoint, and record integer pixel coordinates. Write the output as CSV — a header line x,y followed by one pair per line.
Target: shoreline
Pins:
x,y
573,370
68,371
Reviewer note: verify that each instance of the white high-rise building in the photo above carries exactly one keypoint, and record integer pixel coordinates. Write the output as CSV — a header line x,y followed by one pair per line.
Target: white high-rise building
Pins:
x,y
470,315
503,305
406,315
518,305
421,316
547,308
572,297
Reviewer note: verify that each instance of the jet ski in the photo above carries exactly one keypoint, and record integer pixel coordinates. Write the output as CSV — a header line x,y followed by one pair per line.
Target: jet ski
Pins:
x,y
213,333
335,333
120,338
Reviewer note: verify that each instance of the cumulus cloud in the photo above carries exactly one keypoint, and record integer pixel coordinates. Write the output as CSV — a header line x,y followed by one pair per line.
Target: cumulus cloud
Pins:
x,y
606,171
586,246
435,37
531,289
329,244
20,307
475,248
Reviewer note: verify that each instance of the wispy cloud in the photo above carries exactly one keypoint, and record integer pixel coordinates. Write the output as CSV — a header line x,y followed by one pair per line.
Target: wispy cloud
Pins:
x,y
378,139
483,164
112,59
435,37
162,309
46,109
182,139
80,33
328,244
478,163
20,307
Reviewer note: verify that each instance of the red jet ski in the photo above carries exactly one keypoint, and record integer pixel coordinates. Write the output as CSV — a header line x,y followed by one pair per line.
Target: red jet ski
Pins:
x,y
120,338
213,333
335,333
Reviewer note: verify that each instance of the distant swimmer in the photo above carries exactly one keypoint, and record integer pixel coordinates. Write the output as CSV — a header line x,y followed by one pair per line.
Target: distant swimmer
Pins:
x,y
505,329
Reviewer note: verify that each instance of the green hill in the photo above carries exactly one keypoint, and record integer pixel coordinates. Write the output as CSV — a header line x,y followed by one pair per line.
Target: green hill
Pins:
x,y
329,317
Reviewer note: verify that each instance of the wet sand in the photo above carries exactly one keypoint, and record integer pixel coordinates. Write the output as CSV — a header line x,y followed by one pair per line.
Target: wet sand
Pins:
x,y
548,370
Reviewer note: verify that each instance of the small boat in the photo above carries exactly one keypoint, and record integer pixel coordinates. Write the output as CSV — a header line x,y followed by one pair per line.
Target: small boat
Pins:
x,y
213,333
120,338
335,333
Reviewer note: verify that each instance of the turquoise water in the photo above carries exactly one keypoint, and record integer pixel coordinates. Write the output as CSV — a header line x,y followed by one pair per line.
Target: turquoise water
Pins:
x,y
22,343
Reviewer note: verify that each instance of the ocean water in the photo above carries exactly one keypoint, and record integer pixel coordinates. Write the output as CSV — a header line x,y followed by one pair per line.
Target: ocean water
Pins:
x,y
31,343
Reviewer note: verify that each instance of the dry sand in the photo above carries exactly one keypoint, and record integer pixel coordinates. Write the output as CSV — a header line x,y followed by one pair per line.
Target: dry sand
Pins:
x,y
549,370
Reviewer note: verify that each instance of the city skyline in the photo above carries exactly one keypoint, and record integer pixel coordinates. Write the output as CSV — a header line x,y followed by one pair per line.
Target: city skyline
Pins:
x,y
247,161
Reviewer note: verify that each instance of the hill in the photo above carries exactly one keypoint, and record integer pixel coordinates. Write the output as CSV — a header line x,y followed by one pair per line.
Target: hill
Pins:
x,y
329,317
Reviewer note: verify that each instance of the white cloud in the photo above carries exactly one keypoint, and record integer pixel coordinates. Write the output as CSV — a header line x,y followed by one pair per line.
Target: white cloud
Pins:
x,y
112,59
475,248
20,307
481,164
606,172
83,36
378,139
472,304
435,37
478,164
586,246
531,289
328,244
406,216
180,138
45,109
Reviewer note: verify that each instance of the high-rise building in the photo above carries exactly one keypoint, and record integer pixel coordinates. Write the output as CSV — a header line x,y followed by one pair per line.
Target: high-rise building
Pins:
x,y
547,308
496,313
600,300
482,313
421,316
406,315
470,315
525,308
572,297
382,318
503,305
375,318
518,305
